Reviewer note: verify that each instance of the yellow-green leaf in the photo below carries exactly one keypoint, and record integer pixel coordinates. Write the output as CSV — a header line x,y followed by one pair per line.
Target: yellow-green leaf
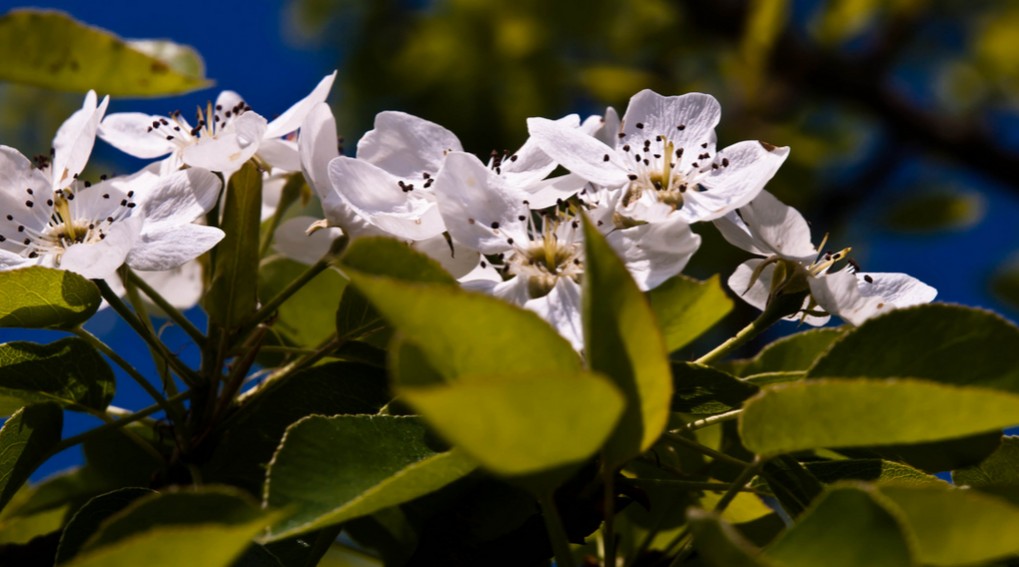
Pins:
x,y
686,308
25,441
44,298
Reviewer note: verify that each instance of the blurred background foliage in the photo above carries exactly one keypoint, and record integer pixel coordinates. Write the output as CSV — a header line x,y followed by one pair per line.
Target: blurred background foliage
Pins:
x,y
901,114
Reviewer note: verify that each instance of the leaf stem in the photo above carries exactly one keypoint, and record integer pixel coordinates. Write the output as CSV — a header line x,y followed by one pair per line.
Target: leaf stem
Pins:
x,y
185,373
327,346
730,415
171,311
738,484
690,443
556,531
609,506
771,314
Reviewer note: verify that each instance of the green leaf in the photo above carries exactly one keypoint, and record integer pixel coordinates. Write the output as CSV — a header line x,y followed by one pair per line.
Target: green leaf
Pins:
x,y
251,435
233,295
461,332
792,484
1000,469
869,470
306,319
934,210
210,526
1004,282
116,460
87,519
944,343
720,544
865,412
52,50
847,526
623,342
389,257
956,527
702,390
522,423
794,353
686,308
21,529
69,372
331,469
44,298
25,441
356,318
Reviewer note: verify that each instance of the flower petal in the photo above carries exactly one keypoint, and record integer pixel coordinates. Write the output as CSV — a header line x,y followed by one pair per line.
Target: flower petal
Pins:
x,y
529,164
751,165
172,246
74,140
280,154
687,120
655,252
479,208
857,297
561,308
292,117
228,151
182,286
293,241
100,260
579,152
180,198
405,145
456,258
130,133
374,195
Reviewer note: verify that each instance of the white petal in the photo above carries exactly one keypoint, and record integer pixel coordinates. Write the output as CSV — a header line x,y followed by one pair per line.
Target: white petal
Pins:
x,y
73,142
227,101
292,118
317,147
655,252
479,208
579,152
280,154
99,260
16,175
604,128
755,294
550,191
374,195
129,132
405,145
737,233
650,114
751,166
171,247
457,259
10,260
779,227
529,164
182,287
180,198
272,190
855,299
228,151
562,309
293,241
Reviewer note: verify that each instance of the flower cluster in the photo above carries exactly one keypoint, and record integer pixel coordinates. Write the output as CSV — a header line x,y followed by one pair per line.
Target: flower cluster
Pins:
x,y
508,225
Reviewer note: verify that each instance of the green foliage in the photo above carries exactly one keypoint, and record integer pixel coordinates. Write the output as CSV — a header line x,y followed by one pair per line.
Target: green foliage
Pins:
x,y
50,49
686,308
793,353
44,298
306,318
702,390
720,544
233,294
622,341
26,440
332,469
864,412
68,372
87,519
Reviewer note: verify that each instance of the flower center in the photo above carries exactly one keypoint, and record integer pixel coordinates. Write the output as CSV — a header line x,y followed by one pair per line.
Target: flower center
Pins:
x,y
542,261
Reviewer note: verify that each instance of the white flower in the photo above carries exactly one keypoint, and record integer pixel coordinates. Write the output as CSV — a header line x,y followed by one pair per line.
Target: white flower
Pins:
x,y
224,136
93,230
664,159
767,227
540,267
74,140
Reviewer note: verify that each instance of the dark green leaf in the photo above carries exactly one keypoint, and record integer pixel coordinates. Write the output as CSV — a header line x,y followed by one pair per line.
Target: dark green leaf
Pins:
x,y
867,412
252,434
702,390
233,296
720,544
52,50
686,308
955,527
378,256
848,526
944,343
44,298
69,372
116,460
869,470
306,319
1004,283
213,525
622,341
795,353
997,474
25,441
461,332
793,485
332,469
522,423
87,519
356,318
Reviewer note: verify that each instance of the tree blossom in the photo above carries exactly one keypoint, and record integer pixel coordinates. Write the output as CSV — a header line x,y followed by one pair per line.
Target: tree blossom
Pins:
x,y
224,136
94,229
663,159
767,227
